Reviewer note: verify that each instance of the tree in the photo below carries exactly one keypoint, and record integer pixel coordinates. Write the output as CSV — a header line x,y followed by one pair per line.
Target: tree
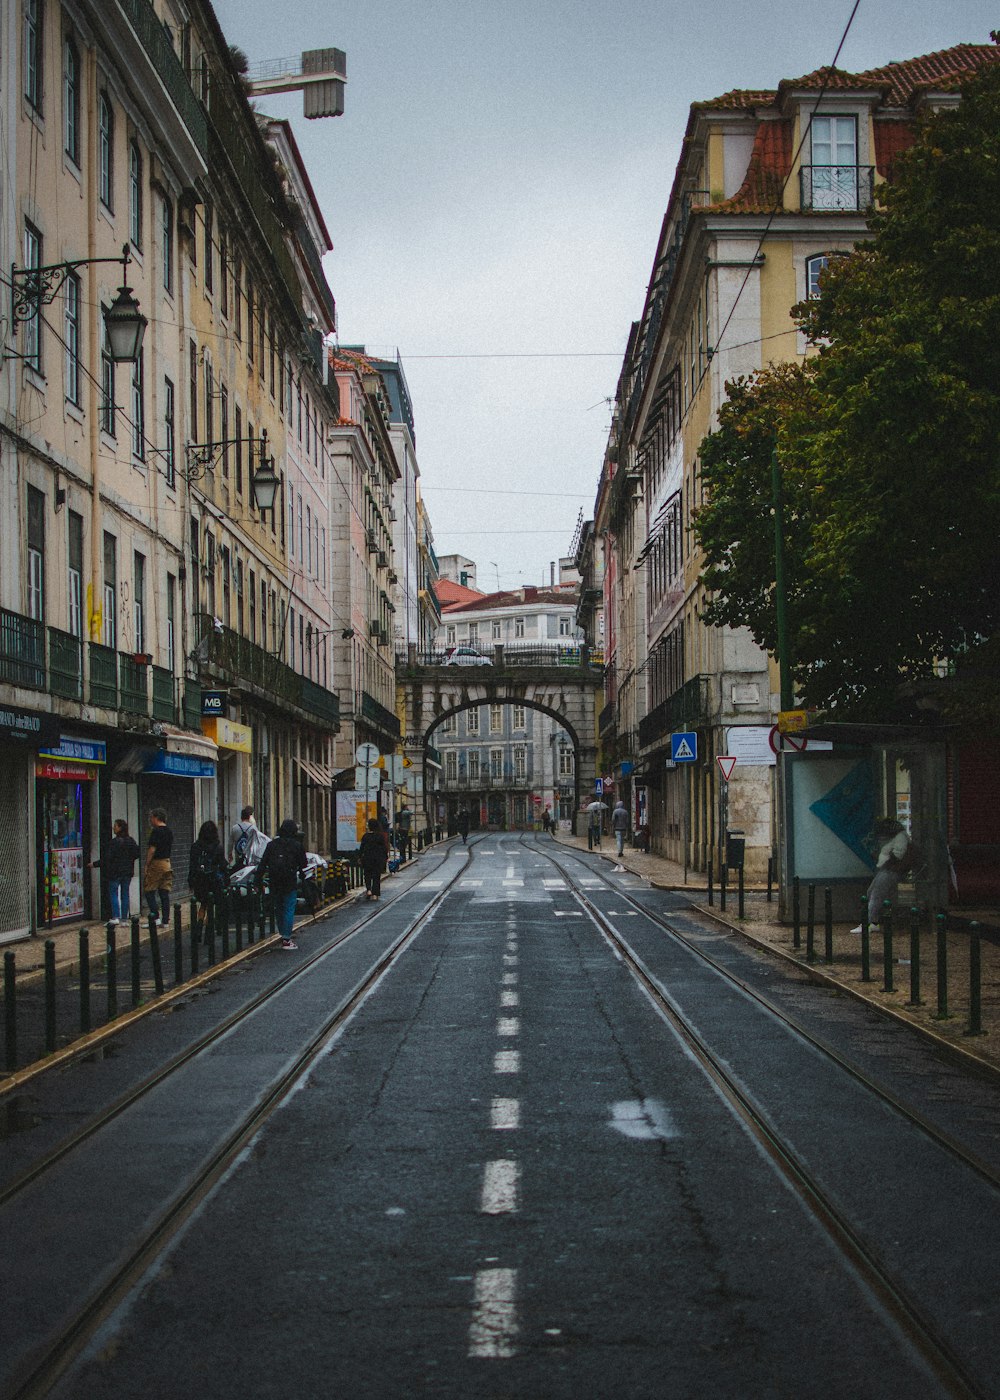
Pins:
x,y
887,439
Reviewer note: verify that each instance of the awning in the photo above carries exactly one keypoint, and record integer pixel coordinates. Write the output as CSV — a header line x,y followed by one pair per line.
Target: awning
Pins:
x,y
316,773
656,529
183,741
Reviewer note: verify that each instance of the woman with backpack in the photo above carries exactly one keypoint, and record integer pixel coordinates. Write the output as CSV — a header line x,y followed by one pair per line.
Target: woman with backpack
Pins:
x,y
207,869
282,863
374,857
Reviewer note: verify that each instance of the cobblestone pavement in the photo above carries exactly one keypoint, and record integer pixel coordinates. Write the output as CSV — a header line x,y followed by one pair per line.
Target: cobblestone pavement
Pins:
x,y
761,924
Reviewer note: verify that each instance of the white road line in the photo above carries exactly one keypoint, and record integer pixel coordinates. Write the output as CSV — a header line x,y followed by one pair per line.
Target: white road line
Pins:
x,y
508,1025
500,1182
510,872
510,979
507,1062
431,884
469,884
519,883
509,999
505,1113
494,1318
568,914
554,884
510,959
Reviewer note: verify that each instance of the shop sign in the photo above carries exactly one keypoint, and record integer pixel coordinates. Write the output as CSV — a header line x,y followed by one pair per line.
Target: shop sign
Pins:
x,y
180,765
214,703
64,772
78,750
228,735
29,725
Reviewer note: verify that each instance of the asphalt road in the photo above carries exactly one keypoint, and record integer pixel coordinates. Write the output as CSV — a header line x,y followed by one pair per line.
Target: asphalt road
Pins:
x,y
506,1176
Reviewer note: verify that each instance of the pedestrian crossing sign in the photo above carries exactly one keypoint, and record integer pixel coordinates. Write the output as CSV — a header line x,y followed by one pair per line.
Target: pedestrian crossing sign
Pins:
x,y
684,747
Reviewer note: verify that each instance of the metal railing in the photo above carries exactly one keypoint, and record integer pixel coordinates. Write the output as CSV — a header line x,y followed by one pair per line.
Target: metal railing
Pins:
x,y
133,683
22,650
103,676
161,54
503,657
65,664
379,716
164,700
606,719
848,187
242,660
686,707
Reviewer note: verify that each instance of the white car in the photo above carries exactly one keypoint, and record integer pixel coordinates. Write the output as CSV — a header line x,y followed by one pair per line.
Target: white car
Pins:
x,y
465,656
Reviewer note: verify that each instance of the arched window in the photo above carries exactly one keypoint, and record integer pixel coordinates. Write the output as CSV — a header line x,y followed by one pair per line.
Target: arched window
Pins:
x,y
814,269
71,100
106,152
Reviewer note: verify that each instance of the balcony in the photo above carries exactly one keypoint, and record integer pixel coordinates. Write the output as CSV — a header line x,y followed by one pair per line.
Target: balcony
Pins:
x,y
606,719
238,661
687,708
836,187
22,651
65,664
379,717
168,67
485,781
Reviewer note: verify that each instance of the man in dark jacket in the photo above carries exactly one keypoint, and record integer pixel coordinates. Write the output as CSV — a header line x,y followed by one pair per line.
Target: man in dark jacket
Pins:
x,y
282,863
374,858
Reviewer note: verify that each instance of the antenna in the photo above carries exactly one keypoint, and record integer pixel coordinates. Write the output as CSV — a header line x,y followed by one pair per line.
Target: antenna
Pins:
x,y
319,74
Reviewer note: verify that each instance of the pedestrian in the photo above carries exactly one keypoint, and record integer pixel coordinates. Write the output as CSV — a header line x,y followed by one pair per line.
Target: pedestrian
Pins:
x,y
595,811
282,863
404,841
119,867
158,873
619,825
894,858
373,859
241,836
547,819
208,871
463,825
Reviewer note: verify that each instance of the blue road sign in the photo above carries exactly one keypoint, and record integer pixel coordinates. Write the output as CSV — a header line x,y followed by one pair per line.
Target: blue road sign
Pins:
x,y
599,787
683,748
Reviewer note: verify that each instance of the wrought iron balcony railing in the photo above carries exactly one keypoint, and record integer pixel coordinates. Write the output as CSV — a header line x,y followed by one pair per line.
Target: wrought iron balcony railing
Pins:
x,y
847,187
685,709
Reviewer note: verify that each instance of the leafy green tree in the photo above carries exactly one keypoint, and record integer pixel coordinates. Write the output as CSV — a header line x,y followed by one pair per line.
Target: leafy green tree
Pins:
x,y
888,439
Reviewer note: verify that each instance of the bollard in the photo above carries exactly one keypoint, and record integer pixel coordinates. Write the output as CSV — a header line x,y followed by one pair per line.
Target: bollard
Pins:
x,y
741,907
222,921
249,910
178,947
811,923
888,985
272,916
154,953
770,877
84,981
137,955
866,942
827,924
238,922
796,913
711,891
10,1011
915,958
194,937
723,883
50,996
208,929
111,956
975,1026
941,921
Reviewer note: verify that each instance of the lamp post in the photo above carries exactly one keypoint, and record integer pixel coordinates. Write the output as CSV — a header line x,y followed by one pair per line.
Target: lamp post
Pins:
x,y
31,288
203,457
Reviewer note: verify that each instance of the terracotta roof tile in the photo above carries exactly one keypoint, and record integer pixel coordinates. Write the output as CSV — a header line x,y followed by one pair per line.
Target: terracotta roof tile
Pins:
x,y
770,163
943,70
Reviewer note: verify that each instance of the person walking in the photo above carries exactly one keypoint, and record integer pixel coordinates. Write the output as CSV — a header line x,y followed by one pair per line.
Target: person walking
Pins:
x,y
208,870
463,825
404,842
894,858
619,825
282,863
158,873
374,857
547,820
595,812
241,836
119,867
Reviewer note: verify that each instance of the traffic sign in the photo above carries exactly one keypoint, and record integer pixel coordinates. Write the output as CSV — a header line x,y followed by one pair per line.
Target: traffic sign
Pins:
x,y
366,755
727,763
599,786
684,747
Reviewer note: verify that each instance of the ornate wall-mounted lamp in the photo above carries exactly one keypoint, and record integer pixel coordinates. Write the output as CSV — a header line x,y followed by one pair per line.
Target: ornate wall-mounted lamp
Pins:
x,y
202,457
35,287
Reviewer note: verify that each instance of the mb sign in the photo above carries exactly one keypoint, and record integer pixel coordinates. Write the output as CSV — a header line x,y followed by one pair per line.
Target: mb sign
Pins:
x,y
214,702
684,747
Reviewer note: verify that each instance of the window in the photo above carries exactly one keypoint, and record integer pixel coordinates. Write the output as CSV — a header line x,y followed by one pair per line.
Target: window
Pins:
x,y
223,273
519,627
71,101
495,631
209,400
171,620
520,761
519,717
451,766
496,763
238,458
71,336
249,320
473,765
33,324
138,412
834,172
472,721
192,392
565,761
814,270
449,633
33,29
170,432
139,600
473,634
564,627
75,573
238,299
496,719
209,250
224,428
105,152
167,228
109,628
36,554
135,194
107,389
448,724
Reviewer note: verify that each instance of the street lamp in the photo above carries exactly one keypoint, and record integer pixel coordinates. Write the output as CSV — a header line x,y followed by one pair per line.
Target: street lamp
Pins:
x,y
264,484
34,287
204,457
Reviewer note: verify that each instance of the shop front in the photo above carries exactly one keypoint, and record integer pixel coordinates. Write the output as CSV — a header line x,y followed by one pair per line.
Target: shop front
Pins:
x,y
22,734
66,814
235,745
180,780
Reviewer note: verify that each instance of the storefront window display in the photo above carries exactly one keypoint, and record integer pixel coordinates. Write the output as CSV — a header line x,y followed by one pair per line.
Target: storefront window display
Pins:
x,y
63,843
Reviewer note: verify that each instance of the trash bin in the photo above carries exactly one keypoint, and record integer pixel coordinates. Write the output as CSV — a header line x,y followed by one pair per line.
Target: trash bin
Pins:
x,y
735,847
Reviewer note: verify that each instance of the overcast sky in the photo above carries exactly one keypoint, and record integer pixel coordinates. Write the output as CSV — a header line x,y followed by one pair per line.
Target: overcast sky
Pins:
x,y
494,191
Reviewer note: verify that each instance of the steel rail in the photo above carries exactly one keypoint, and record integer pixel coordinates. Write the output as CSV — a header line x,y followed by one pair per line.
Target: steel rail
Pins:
x,y
920,1331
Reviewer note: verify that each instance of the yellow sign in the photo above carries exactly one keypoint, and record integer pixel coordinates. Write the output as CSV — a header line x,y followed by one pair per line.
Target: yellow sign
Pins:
x,y
792,721
229,735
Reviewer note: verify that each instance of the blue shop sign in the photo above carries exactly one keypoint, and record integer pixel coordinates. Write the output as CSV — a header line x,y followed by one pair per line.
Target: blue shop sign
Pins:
x,y
79,750
180,765
214,703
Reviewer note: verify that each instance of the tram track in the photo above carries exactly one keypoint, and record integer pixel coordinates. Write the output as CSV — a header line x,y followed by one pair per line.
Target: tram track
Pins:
x,y
863,1257
38,1377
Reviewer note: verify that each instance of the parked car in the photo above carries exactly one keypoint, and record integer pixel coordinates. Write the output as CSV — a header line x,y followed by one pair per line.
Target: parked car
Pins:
x,y
241,881
465,656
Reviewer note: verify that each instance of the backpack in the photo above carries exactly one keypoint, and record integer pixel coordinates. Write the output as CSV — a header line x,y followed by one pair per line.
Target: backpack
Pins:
x,y
283,863
204,861
241,846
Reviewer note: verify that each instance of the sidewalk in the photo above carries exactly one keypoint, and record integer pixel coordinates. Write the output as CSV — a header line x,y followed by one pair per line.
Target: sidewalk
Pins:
x,y
761,926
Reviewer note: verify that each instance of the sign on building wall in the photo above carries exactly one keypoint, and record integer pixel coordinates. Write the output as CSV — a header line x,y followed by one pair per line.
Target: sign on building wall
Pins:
x,y
353,815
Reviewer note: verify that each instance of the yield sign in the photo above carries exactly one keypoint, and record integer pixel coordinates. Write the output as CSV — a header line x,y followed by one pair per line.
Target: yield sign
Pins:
x,y
727,764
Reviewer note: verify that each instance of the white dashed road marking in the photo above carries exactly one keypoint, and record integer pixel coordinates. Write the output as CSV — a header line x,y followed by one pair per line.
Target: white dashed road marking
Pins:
x,y
494,1317
508,1025
500,1180
505,1113
509,999
507,1062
